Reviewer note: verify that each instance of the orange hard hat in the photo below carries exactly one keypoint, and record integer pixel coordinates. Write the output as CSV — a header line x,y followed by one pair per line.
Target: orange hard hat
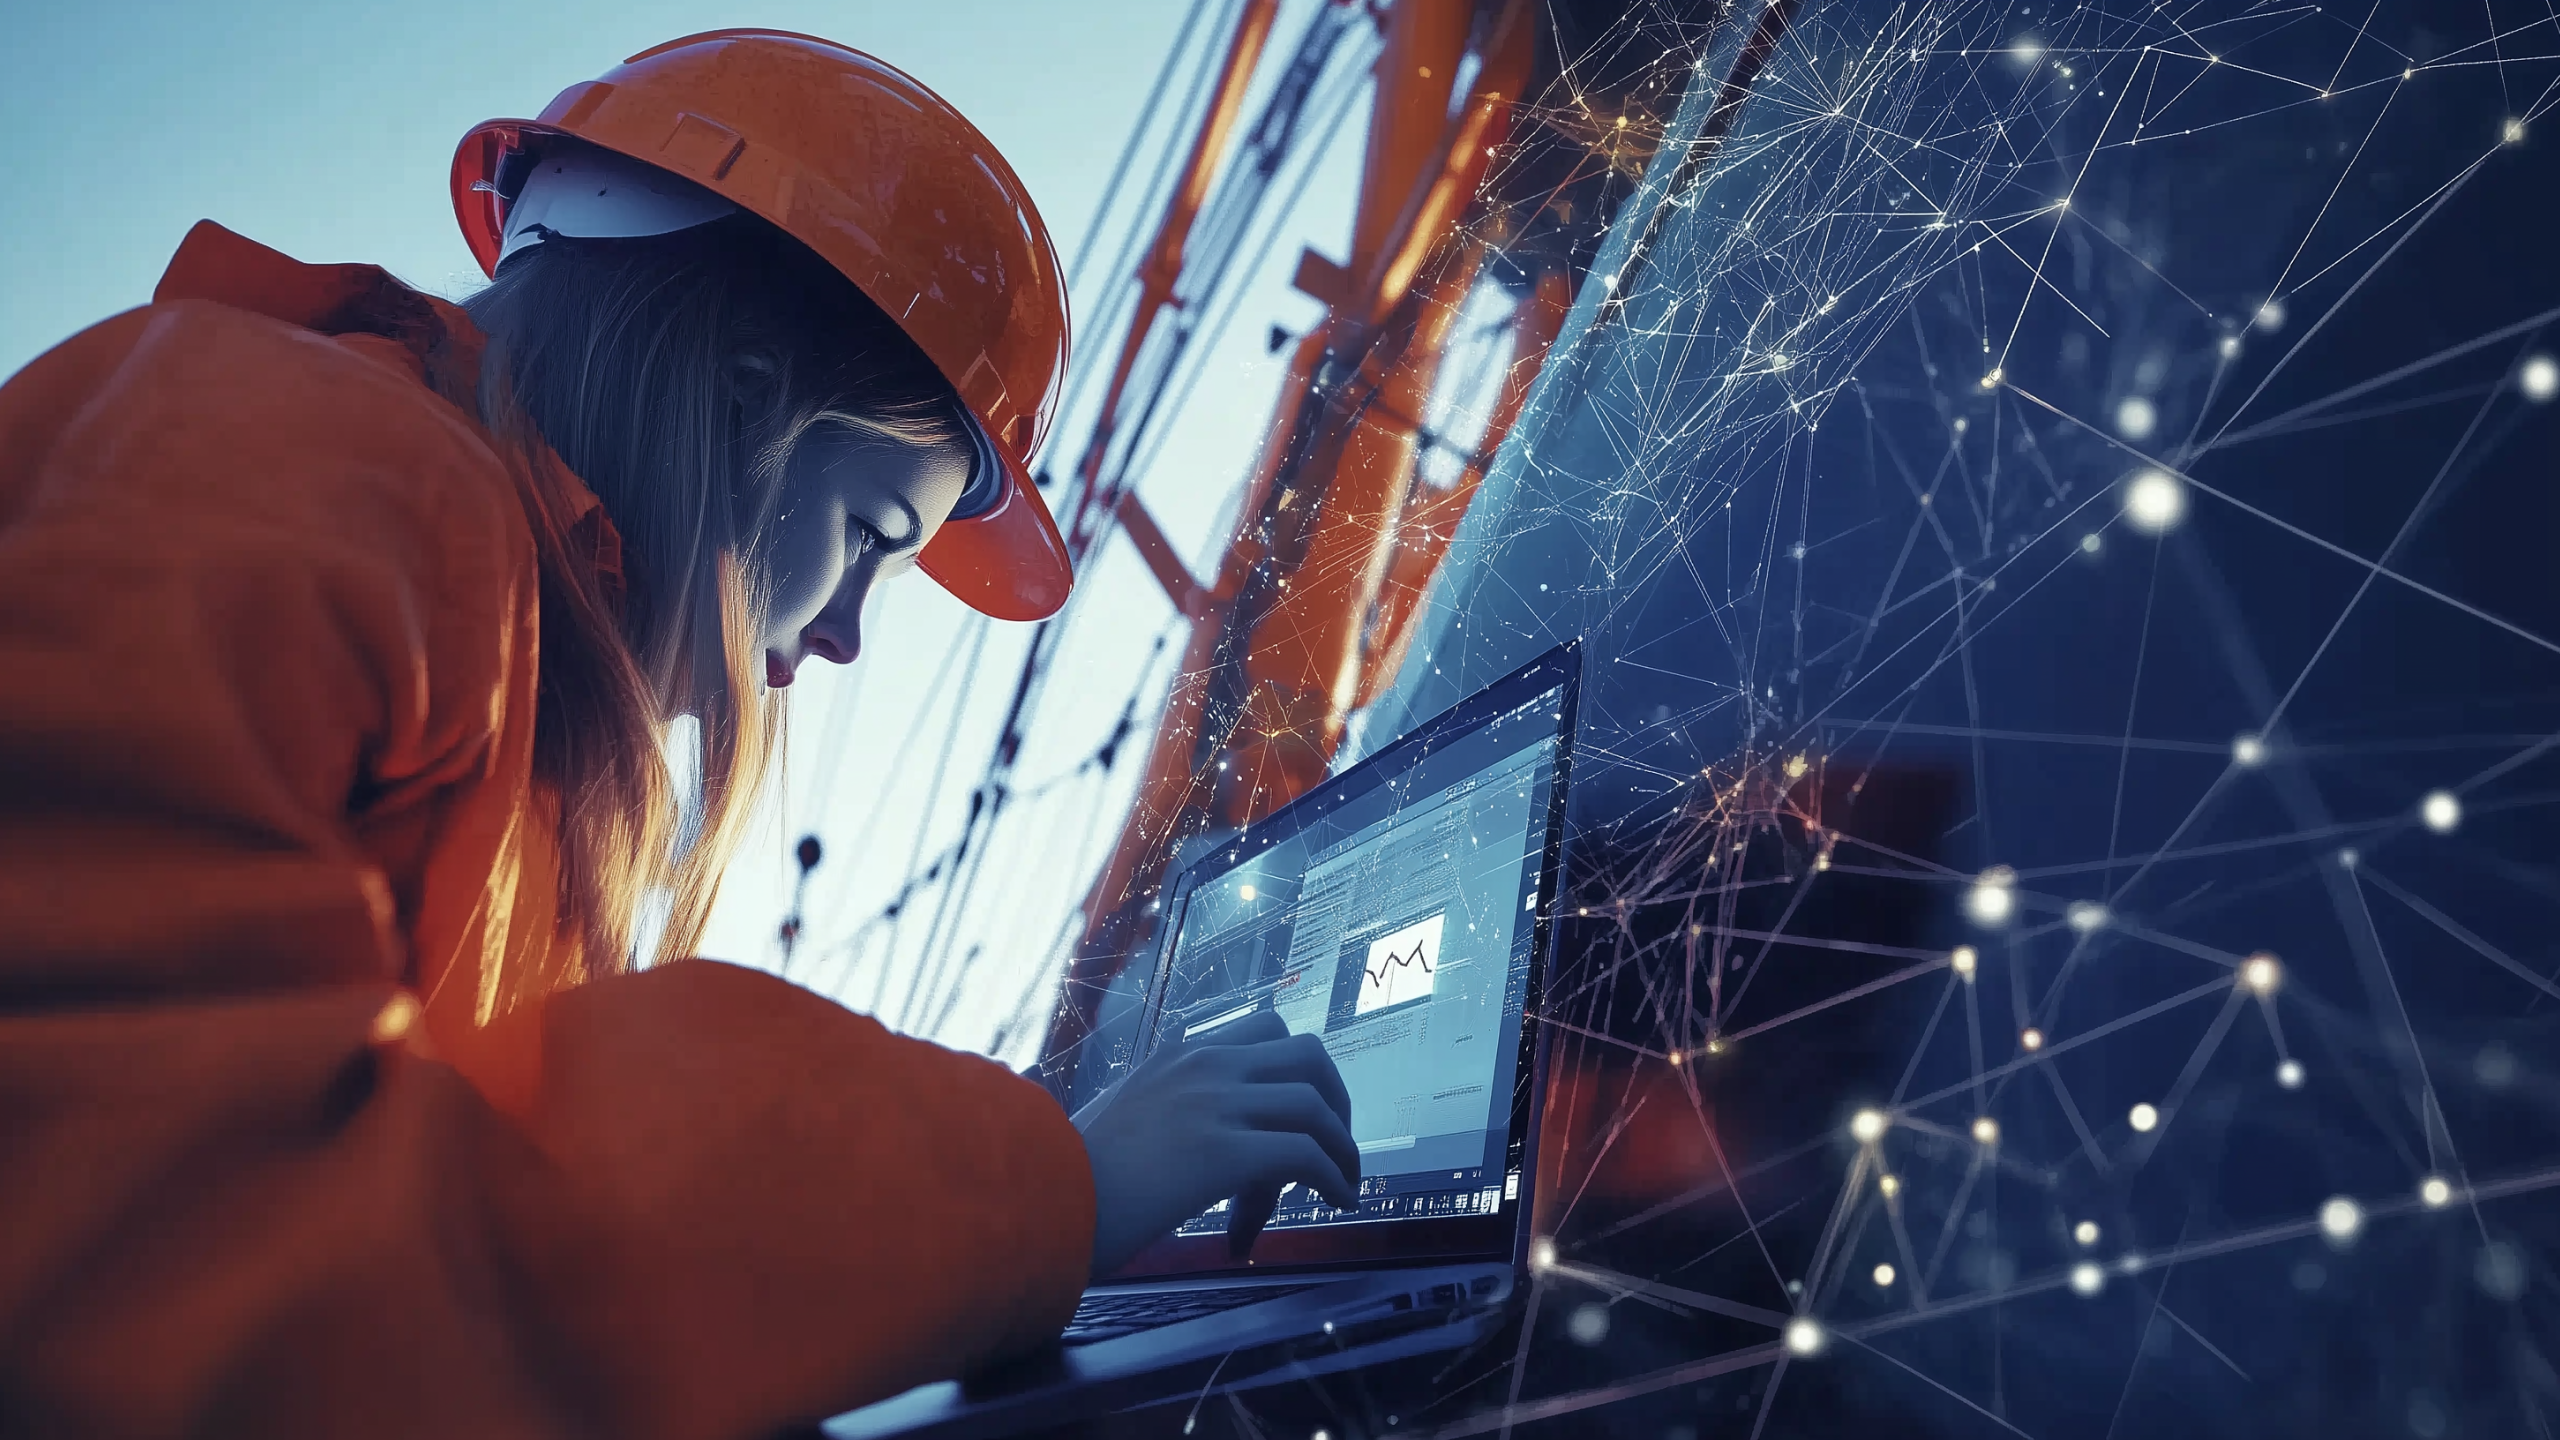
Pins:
x,y
889,184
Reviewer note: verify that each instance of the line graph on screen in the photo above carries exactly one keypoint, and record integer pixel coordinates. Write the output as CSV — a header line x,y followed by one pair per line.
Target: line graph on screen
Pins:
x,y
1400,966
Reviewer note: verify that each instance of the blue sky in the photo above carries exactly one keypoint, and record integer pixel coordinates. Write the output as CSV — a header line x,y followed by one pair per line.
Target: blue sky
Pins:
x,y
326,130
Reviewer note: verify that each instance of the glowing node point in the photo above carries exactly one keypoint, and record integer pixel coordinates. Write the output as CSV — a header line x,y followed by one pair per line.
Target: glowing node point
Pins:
x,y
2028,51
2144,1117
2289,1074
1542,1254
2230,347
2091,544
1992,380
1608,282
2135,418
1964,960
1994,897
2271,315
1891,1185
2085,916
2538,378
2086,1232
1589,1324
2248,750
1868,1126
2340,1219
2031,1038
2155,501
2132,1263
1883,1276
2261,973
1796,766
2512,132
1986,1131
1804,1337
2087,1278
2436,1192
1244,892
2347,858
2441,811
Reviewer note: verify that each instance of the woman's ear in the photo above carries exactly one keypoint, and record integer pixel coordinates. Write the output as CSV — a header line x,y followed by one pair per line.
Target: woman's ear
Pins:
x,y
754,377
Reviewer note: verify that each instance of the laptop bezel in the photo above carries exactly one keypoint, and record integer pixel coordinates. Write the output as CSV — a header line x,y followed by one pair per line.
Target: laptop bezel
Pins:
x,y
1502,1234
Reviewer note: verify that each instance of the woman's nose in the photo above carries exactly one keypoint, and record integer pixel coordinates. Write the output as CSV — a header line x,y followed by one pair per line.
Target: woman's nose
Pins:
x,y
833,641
836,635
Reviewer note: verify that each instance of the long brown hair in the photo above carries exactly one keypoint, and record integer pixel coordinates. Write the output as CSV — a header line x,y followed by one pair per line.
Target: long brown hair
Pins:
x,y
675,375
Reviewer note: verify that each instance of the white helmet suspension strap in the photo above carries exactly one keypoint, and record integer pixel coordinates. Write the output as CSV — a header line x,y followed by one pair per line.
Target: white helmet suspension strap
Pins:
x,y
587,192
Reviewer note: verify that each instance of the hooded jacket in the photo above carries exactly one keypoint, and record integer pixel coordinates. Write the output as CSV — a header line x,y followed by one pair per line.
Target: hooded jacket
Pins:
x,y
277,1156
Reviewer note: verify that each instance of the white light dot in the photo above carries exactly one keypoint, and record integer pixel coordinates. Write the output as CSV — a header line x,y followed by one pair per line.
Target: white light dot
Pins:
x,y
2027,49
2086,916
2436,1192
2087,1278
1965,960
2261,973
2091,544
1244,892
1804,1337
2230,347
2031,1038
2539,378
1868,1126
2441,811
1883,1275
1891,1185
1986,1130
2249,750
2512,132
2135,417
2340,1219
1589,1324
2154,501
1992,380
2289,1074
1994,897
2271,315
1542,1254
2086,1232
2144,1117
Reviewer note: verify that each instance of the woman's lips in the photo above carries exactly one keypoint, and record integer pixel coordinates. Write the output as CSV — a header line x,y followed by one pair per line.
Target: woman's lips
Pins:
x,y
777,671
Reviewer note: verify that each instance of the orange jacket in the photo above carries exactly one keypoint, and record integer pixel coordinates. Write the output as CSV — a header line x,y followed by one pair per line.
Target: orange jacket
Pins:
x,y
267,678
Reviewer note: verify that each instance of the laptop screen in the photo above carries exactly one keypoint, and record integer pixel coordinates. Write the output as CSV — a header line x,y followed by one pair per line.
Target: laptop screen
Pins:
x,y
1399,912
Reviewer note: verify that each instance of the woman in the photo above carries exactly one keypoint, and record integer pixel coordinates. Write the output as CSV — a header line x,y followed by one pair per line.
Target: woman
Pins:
x,y
340,629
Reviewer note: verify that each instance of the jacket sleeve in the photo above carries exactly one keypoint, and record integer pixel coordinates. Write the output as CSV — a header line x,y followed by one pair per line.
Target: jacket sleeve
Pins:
x,y
247,576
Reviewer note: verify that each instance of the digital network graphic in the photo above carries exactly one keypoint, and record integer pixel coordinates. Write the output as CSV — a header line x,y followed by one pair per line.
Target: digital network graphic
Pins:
x,y
2063,502
2061,932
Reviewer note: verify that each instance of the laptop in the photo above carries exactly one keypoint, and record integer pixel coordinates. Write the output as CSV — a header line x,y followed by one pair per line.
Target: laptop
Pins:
x,y
1400,910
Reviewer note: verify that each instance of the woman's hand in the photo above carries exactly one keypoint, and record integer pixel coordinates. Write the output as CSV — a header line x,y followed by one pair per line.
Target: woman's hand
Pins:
x,y
1238,1113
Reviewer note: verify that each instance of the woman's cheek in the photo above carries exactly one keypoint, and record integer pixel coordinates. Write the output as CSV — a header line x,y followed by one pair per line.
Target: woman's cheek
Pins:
x,y
802,581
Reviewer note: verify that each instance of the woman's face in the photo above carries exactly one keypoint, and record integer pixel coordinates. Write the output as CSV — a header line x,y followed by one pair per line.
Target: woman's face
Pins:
x,y
856,507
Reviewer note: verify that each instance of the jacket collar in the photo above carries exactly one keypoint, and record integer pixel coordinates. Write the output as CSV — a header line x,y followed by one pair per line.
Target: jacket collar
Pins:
x,y
219,265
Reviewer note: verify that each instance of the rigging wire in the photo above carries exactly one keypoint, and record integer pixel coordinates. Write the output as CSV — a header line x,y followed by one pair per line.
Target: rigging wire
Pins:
x,y
1239,201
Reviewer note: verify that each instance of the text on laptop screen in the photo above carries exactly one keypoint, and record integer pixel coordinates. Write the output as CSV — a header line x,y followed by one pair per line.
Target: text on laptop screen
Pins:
x,y
1400,928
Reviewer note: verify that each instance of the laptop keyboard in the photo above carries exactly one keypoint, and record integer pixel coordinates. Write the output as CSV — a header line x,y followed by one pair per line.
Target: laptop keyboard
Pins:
x,y
1107,1317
